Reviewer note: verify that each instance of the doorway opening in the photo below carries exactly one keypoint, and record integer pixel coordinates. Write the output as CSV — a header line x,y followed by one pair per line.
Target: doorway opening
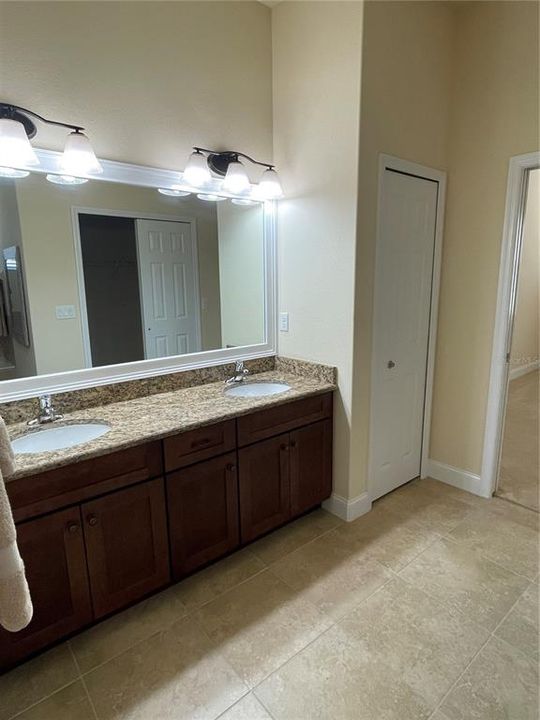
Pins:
x,y
138,285
511,459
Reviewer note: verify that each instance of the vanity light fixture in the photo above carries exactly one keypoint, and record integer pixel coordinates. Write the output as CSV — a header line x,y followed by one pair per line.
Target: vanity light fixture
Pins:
x,y
173,192
226,164
17,128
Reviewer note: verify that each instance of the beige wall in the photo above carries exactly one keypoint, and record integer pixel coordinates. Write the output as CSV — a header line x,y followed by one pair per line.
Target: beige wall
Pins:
x,y
525,338
317,56
147,79
49,255
406,80
241,273
494,116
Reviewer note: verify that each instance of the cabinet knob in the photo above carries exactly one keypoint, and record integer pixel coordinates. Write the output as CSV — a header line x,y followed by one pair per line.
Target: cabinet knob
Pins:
x,y
92,520
293,443
73,527
284,446
231,467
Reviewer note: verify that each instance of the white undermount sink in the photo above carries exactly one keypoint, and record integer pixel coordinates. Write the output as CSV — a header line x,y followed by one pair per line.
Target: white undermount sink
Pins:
x,y
257,389
58,437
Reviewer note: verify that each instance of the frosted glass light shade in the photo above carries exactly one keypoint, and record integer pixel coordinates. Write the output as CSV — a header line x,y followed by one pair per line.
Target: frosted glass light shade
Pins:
x,y
269,187
79,156
197,172
236,180
15,148
173,192
7,172
210,197
65,179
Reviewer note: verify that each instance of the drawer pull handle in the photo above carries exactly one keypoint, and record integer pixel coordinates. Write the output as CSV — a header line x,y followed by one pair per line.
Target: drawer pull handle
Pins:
x,y
231,467
92,520
73,528
201,443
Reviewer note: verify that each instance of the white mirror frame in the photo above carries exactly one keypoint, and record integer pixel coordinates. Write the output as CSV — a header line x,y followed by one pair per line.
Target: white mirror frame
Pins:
x,y
139,175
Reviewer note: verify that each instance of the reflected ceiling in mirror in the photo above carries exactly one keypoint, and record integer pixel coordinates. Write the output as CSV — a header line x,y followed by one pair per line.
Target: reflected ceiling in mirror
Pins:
x,y
115,273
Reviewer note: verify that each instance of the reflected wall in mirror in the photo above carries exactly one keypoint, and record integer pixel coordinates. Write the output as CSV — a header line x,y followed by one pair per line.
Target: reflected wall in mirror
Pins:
x,y
116,273
519,467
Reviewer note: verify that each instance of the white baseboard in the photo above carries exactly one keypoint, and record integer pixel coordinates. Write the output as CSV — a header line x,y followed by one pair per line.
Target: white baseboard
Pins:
x,y
462,479
348,509
524,369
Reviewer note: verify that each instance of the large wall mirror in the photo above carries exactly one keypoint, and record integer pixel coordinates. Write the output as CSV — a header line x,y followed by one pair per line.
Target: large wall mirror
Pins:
x,y
111,280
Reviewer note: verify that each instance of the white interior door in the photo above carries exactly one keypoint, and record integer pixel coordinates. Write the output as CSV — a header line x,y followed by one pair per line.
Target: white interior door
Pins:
x,y
403,278
168,278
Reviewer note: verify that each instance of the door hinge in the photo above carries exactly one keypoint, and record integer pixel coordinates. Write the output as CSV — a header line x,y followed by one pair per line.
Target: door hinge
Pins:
x,y
507,358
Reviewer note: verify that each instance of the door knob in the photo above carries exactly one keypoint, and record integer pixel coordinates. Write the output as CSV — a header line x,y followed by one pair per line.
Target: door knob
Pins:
x,y
390,364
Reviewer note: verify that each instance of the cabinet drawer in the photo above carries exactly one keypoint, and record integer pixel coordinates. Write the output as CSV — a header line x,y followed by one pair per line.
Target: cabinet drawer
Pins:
x,y
275,420
199,444
38,494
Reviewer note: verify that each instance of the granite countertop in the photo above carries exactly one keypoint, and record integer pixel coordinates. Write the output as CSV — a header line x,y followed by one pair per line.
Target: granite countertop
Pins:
x,y
157,416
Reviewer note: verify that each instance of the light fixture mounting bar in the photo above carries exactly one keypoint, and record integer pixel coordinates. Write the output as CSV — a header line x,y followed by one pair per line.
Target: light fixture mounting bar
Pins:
x,y
16,112
219,159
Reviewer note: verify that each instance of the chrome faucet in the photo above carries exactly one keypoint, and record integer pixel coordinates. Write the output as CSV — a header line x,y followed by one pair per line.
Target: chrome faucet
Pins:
x,y
47,413
240,373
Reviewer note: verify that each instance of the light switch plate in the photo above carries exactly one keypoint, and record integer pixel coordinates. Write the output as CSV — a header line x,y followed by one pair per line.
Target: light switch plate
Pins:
x,y
284,322
65,312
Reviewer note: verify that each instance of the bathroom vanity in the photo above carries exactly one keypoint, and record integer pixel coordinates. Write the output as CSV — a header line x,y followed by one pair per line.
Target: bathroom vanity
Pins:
x,y
100,534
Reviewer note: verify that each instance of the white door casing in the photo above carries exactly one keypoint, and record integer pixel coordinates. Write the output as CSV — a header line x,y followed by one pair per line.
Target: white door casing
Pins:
x,y
169,288
402,310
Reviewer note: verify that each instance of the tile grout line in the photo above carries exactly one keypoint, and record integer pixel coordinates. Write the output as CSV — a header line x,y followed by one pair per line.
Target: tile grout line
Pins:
x,y
42,699
490,637
90,701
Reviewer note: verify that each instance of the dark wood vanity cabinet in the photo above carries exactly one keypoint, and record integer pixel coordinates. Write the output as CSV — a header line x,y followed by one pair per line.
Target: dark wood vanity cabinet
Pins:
x,y
264,486
283,477
54,555
126,545
202,503
101,534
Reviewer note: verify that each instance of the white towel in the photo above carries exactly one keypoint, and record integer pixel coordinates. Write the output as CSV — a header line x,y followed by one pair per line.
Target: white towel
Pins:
x,y
15,602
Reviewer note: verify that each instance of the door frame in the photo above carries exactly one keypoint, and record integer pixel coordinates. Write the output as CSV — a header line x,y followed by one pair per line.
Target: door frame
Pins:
x,y
516,195
389,162
132,215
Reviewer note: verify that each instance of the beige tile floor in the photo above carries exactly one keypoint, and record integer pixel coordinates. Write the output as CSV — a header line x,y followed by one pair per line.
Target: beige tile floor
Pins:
x,y
519,475
427,607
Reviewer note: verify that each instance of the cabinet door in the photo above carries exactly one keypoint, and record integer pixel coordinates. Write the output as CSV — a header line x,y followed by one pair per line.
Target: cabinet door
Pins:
x,y
52,548
264,486
310,466
203,513
126,542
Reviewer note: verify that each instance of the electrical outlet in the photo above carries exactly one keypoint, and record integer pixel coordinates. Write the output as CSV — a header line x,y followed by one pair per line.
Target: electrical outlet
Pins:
x,y
284,322
65,312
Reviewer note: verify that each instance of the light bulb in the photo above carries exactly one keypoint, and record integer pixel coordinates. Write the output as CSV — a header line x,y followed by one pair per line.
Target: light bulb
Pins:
x,y
79,157
269,187
15,148
8,172
210,197
173,192
197,172
236,180
65,179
